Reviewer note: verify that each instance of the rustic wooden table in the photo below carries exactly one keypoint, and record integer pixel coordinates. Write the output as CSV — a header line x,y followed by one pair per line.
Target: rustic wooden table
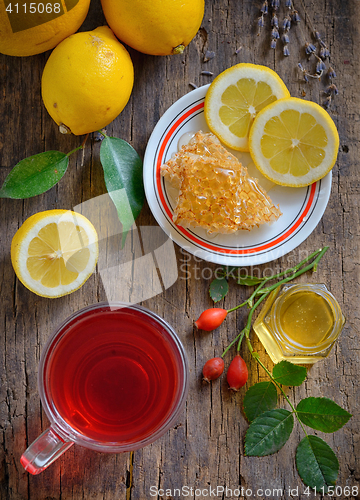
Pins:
x,y
205,449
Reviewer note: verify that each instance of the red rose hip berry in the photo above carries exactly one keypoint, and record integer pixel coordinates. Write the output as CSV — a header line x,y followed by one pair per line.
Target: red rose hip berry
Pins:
x,y
237,373
211,319
213,369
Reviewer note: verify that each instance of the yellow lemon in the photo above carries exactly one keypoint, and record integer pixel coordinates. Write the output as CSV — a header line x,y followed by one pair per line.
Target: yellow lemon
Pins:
x,y
33,27
54,252
157,27
87,81
294,142
236,96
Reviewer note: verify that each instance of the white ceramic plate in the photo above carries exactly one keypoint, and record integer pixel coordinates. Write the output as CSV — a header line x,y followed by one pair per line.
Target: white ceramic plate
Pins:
x,y
302,208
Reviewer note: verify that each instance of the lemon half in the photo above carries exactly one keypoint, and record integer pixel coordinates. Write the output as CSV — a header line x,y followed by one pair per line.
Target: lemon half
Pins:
x,y
54,252
236,96
294,142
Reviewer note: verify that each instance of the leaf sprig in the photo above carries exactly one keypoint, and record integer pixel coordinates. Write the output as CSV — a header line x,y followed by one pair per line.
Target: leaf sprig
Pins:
x,y
122,168
270,427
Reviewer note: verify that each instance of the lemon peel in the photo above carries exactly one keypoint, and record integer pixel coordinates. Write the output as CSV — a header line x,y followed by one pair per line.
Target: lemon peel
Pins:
x,y
40,31
87,81
156,27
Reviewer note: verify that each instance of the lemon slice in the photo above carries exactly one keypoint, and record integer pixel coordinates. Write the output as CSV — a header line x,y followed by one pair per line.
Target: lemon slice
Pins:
x,y
294,142
54,252
236,96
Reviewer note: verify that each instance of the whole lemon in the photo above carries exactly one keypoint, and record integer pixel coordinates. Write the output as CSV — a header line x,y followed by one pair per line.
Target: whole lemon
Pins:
x,y
31,28
157,27
87,81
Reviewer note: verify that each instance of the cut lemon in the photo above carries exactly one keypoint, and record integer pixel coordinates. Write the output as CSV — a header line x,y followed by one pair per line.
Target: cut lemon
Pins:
x,y
54,252
235,97
294,142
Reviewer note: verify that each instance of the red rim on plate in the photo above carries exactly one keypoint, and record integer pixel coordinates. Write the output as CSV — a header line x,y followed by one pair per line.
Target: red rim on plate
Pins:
x,y
302,207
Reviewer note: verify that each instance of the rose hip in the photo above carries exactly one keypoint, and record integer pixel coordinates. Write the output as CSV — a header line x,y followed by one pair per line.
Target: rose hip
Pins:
x,y
211,319
237,373
213,369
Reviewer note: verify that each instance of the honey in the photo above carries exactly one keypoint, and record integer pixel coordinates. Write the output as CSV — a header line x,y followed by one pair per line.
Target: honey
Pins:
x,y
215,190
299,323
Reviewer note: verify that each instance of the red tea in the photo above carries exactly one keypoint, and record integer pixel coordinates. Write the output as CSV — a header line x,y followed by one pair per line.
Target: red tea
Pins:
x,y
115,376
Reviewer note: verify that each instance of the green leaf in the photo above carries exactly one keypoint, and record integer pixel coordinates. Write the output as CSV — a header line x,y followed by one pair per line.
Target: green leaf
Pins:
x,y
322,414
35,175
268,432
218,289
259,398
249,280
286,373
316,462
123,178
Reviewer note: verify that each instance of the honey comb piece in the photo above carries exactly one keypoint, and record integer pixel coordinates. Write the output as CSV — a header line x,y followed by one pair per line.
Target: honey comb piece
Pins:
x,y
204,145
215,190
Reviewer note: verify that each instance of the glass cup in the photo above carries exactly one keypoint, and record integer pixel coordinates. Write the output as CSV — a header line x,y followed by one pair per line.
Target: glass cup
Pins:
x,y
112,378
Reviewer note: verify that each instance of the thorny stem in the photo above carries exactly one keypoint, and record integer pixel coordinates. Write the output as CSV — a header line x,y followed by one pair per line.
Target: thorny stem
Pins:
x,y
295,271
82,145
299,272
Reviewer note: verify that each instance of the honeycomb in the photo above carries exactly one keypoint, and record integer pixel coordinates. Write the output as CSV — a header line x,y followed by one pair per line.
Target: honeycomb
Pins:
x,y
215,190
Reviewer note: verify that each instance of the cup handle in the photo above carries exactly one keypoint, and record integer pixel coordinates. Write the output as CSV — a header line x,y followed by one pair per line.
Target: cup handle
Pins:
x,y
43,451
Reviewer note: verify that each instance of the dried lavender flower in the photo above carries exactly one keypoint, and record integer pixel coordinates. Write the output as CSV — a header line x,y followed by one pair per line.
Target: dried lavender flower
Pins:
x,y
285,38
193,85
288,3
332,89
275,33
309,48
209,55
317,36
207,73
260,23
324,52
295,17
274,21
327,102
275,4
98,136
286,51
273,43
238,49
331,73
320,66
286,24
264,7
301,67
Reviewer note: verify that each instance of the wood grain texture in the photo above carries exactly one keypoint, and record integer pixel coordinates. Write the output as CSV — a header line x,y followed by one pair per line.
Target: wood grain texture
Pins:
x,y
206,447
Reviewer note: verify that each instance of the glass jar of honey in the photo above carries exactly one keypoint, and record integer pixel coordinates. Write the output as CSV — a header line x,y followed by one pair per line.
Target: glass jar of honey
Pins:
x,y
299,323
